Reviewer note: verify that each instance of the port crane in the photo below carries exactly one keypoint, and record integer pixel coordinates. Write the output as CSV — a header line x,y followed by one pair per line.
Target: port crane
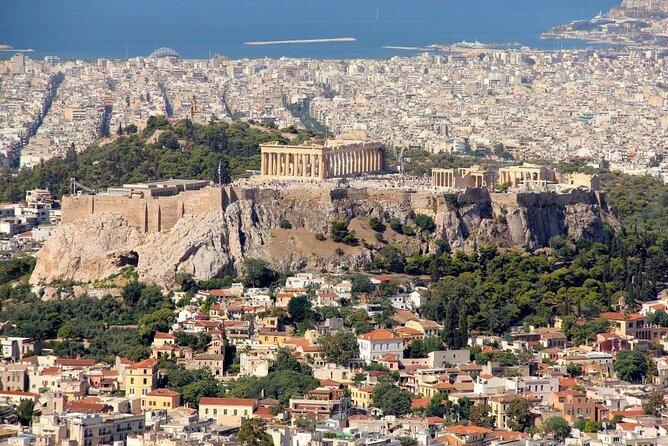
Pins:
x,y
74,184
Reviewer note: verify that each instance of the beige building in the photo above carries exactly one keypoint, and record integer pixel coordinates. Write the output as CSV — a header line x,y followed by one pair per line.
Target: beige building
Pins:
x,y
167,399
321,159
228,412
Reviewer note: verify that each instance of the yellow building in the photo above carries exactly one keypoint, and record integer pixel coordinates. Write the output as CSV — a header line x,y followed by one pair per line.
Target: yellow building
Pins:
x,y
499,404
141,378
270,337
361,397
161,399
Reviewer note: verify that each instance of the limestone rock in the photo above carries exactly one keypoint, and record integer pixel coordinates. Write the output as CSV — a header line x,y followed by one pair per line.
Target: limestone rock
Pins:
x,y
215,243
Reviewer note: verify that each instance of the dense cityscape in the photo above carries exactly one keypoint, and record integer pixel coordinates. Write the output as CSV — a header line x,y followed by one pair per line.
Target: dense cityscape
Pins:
x,y
463,246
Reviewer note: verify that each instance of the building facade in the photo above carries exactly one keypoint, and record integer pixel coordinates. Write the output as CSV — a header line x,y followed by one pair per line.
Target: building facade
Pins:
x,y
378,343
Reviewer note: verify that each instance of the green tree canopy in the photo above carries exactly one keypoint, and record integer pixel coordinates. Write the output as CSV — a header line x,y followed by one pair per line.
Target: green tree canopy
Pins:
x,y
391,400
631,366
339,347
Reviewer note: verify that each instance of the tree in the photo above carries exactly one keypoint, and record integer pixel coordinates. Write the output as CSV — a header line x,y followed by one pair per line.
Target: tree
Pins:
x,y
284,224
557,427
299,308
464,407
339,347
168,140
573,370
306,423
376,224
253,432
631,366
435,406
654,404
358,378
258,274
285,361
160,320
420,348
480,416
361,284
518,416
590,426
425,222
391,400
338,230
25,411
187,282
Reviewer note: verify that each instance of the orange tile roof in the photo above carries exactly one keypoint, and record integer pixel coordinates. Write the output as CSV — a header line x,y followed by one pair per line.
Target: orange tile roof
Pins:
x,y
510,435
160,335
378,335
449,440
264,412
75,362
466,430
419,403
145,364
408,331
227,401
619,316
163,392
16,393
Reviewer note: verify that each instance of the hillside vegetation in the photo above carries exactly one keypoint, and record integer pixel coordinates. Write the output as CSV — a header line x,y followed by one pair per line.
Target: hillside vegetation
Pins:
x,y
182,150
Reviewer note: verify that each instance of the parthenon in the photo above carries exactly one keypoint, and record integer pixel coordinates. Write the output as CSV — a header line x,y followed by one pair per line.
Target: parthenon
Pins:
x,y
321,159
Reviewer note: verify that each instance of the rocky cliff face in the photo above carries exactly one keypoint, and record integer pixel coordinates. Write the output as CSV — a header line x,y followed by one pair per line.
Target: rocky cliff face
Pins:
x,y
214,243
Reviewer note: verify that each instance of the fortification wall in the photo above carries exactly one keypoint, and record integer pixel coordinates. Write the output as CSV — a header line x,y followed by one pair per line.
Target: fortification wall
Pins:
x,y
149,214
155,214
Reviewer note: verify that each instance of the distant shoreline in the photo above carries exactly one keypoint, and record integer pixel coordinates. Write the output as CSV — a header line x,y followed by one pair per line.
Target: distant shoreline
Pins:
x,y
300,41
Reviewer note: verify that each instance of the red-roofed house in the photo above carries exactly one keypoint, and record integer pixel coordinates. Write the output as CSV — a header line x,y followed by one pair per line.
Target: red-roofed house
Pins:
x,y
632,324
379,343
573,405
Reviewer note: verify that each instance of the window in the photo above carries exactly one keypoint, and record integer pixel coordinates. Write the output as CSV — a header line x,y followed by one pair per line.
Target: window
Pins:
x,y
215,411
145,380
132,380
224,411
235,412
206,411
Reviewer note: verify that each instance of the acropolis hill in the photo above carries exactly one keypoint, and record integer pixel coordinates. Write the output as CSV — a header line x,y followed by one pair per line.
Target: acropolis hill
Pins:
x,y
207,230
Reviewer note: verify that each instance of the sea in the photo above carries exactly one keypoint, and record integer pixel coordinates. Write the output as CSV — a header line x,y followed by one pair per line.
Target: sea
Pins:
x,y
91,29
